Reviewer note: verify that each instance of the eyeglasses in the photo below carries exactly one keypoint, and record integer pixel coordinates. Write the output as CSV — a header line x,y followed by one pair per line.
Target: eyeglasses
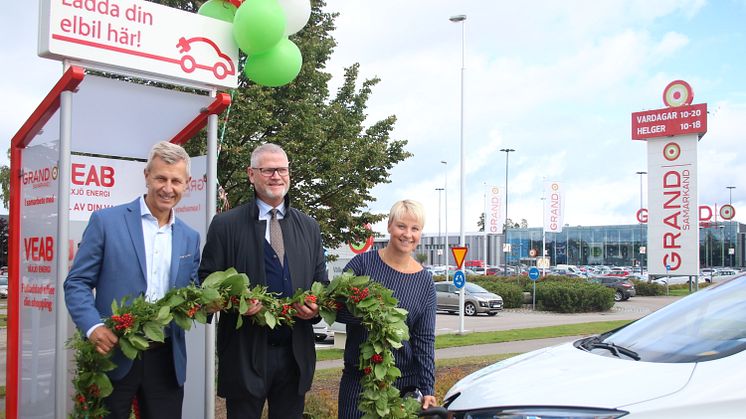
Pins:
x,y
269,171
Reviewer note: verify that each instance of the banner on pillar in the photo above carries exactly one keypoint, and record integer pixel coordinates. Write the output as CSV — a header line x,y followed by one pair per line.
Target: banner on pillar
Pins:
x,y
554,202
494,211
673,235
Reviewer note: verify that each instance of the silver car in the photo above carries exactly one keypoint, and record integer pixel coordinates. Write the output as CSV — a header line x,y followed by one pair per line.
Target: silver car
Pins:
x,y
3,286
476,299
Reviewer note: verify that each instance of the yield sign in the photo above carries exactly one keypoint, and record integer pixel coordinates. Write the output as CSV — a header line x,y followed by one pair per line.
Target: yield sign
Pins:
x,y
459,254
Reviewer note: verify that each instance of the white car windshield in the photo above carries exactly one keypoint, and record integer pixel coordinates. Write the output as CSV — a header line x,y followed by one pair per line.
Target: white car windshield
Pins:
x,y
710,324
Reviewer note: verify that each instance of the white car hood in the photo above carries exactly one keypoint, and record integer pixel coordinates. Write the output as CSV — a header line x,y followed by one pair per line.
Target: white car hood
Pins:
x,y
567,376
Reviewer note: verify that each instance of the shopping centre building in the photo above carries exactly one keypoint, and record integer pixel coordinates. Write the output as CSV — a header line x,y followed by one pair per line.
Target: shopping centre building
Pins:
x,y
722,243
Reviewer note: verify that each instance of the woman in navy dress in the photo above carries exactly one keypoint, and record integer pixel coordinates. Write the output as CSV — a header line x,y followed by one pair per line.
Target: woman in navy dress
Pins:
x,y
395,268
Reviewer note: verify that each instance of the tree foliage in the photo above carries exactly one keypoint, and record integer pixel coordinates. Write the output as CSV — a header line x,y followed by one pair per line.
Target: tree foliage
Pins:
x,y
335,159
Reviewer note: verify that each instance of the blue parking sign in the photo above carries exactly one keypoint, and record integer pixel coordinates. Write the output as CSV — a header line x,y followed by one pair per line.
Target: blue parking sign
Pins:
x,y
459,279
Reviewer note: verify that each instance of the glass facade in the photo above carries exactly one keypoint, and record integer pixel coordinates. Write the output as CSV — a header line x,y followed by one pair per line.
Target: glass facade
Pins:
x,y
721,244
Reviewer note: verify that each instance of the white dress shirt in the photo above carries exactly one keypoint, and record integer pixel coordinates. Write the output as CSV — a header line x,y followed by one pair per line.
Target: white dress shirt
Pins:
x,y
157,252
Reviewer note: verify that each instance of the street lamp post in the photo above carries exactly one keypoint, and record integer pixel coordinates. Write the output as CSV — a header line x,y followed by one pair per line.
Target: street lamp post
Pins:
x,y
730,194
445,210
730,202
505,225
641,228
461,19
439,236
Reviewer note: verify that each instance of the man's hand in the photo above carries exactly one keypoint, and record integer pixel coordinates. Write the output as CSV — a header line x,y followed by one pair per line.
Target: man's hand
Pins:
x,y
254,307
104,339
428,401
306,311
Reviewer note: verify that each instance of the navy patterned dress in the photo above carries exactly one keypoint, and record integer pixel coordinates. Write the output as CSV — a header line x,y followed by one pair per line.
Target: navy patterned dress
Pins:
x,y
416,359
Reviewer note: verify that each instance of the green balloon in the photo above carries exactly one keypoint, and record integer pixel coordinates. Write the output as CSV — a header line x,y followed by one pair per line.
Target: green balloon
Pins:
x,y
258,25
276,67
218,9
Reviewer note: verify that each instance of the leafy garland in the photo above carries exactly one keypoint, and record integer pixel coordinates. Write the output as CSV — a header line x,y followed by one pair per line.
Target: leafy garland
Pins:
x,y
140,322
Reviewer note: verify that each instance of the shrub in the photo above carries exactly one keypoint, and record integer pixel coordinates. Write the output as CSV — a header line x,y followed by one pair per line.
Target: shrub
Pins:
x,y
568,297
644,288
511,293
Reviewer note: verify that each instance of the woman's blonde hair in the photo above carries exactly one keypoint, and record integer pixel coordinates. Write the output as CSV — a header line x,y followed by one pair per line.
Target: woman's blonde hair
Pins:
x,y
410,207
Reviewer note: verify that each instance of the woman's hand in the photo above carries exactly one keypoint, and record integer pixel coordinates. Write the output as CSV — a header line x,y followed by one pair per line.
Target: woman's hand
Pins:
x,y
429,401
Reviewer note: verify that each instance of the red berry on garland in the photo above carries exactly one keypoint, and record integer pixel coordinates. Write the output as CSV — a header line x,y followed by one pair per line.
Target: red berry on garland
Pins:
x,y
376,358
367,370
311,298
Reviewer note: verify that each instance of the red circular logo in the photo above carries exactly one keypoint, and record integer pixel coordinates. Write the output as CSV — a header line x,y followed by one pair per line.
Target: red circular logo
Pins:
x,y
671,151
727,212
678,93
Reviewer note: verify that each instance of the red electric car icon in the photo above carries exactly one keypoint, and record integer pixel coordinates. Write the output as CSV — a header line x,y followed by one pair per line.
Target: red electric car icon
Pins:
x,y
223,65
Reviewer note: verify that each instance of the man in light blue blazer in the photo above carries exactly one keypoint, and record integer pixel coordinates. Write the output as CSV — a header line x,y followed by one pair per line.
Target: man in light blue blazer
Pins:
x,y
134,249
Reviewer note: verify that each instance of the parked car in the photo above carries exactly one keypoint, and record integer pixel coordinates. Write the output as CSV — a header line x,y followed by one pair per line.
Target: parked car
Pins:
x,y
721,274
476,299
3,286
682,361
674,280
321,331
623,287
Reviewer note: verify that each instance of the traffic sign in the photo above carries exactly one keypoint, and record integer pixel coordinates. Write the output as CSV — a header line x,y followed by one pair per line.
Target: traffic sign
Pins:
x,y
459,254
459,279
533,273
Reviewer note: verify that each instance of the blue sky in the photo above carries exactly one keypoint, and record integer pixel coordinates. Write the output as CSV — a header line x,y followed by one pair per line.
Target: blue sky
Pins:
x,y
557,81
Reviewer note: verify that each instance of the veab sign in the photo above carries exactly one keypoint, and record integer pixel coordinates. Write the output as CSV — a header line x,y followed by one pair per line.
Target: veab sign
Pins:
x,y
673,213
142,36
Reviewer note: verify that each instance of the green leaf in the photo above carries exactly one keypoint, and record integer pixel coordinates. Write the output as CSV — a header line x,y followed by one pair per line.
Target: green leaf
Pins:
x,y
127,349
175,300
209,295
243,305
270,319
154,331
214,279
200,317
114,307
104,384
329,316
380,371
163,313
239,322
139,342
183,321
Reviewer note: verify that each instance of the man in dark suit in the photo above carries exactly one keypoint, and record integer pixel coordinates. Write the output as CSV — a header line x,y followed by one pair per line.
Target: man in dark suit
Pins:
x,y
280,247
134,249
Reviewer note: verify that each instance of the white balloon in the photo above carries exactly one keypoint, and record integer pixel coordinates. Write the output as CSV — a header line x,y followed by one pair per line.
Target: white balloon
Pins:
x,y
297,13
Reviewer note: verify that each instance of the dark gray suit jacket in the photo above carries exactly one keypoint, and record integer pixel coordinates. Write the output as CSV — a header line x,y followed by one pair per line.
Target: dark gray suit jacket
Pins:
x,y
236,239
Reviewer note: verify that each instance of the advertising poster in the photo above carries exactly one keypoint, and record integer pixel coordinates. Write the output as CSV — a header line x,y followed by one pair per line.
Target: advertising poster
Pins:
x,y
673,234
38,281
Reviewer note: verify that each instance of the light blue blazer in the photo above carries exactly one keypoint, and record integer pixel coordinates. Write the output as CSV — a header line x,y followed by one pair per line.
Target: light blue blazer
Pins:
x,y
111,261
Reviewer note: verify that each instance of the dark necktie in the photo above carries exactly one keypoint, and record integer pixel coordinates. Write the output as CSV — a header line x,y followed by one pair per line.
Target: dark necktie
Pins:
x,y
275,236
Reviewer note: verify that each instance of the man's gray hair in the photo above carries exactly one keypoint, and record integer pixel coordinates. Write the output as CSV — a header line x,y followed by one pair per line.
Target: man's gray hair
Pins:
x,y
170,153
264,149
